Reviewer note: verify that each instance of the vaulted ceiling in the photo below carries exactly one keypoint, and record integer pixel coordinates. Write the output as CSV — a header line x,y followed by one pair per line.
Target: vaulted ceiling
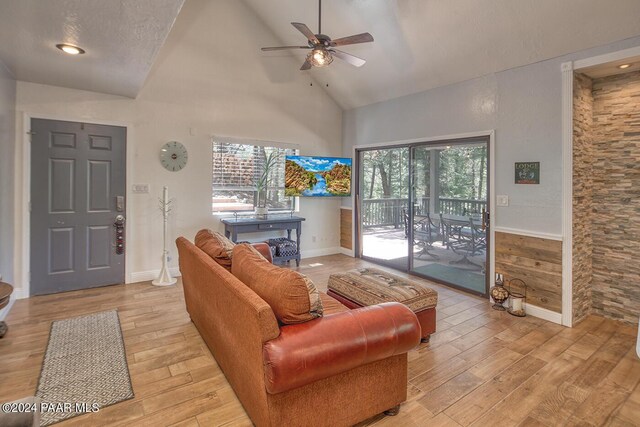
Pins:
x,y
419,44
422,44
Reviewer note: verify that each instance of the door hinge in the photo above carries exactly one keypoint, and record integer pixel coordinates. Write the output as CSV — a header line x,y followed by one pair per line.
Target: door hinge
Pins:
x,y
31,133
29,206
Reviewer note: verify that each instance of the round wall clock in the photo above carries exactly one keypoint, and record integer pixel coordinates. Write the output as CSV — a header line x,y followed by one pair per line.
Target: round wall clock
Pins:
x,y
173,156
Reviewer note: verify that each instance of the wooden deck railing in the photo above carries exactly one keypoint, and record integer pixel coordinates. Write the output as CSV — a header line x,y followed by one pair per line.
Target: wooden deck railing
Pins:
x,y
461,207
388,212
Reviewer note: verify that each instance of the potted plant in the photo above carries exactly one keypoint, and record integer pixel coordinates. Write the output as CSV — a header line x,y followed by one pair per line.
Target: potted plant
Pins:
x,y
264,180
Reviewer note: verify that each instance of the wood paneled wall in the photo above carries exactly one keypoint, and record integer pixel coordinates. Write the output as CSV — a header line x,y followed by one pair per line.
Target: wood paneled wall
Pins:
x,y
536,261
346,228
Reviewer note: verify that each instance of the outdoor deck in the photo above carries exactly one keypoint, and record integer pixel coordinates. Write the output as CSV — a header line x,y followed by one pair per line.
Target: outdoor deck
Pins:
x,y
389,245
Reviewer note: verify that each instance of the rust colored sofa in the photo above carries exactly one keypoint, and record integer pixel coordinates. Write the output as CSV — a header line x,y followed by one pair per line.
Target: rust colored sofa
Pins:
x,y
338,369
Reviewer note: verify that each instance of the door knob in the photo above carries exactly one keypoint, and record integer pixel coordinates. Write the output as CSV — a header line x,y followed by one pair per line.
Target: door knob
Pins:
x,y
119,225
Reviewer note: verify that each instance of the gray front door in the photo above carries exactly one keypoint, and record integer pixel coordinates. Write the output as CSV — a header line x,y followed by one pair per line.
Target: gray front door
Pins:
x,y
77,190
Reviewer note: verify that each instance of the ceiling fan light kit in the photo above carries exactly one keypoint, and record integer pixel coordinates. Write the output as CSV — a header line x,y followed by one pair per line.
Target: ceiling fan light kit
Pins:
x,y
323,48
319,57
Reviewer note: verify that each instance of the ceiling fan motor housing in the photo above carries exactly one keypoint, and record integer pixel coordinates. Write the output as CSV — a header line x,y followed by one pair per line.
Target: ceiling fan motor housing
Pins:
x,y
323,39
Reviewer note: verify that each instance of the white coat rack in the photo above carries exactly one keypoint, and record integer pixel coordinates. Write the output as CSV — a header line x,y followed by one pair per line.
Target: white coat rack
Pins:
x,y
164,278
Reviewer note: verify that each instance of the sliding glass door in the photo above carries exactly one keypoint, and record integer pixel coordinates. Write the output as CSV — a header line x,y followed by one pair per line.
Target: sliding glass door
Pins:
x,y
449,215
422,208
383,196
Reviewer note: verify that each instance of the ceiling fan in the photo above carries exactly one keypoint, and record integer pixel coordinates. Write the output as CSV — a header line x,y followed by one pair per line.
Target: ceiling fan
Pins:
x,y
323,48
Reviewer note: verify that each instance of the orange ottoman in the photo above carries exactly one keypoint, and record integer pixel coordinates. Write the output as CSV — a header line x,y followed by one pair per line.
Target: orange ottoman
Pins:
x,y
370,286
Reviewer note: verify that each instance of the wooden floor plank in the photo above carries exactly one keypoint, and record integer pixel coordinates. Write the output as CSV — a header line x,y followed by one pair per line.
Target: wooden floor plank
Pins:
x,y
517,406
445,395
468,409
482,367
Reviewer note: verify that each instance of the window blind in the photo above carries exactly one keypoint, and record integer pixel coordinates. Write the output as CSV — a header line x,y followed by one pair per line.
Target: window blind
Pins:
x,y
236,170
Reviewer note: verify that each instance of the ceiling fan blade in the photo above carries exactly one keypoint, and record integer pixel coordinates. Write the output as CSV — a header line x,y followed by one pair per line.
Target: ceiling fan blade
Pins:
x,y
306,31
306,66
267,49
351,59
358,38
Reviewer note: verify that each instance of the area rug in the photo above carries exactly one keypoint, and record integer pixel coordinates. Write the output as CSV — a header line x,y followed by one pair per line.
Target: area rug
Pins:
x,y
456,276
84,367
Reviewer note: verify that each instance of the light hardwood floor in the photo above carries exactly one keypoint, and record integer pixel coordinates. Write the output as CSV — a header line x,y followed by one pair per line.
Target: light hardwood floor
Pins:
x,y
481,368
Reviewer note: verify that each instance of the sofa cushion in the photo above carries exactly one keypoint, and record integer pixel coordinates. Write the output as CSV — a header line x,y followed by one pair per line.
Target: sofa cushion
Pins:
x,y
291,295
331,305
216,246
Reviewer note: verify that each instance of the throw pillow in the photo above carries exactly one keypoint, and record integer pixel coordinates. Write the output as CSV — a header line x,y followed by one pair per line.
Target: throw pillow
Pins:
x,y
292,296
216,245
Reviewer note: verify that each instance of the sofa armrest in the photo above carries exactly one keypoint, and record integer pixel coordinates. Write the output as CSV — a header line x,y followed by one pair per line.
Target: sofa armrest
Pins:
x,y
327,346
264,250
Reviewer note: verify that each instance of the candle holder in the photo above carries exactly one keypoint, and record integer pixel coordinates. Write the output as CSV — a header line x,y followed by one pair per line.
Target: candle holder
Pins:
x,y
517,300
498,293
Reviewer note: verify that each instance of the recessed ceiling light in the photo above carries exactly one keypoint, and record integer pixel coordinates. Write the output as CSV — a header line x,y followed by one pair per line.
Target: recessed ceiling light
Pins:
x,y
70,49
623,66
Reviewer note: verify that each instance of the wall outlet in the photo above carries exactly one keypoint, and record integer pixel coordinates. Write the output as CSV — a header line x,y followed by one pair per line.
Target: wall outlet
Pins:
x,y
502,201
140,188
313,239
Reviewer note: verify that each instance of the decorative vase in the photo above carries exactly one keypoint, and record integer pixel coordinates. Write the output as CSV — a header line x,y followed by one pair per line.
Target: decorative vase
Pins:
x,y
498,293
262,211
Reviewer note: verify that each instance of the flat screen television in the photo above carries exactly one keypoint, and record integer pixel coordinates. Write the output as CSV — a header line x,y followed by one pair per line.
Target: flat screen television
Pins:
x,y
312,176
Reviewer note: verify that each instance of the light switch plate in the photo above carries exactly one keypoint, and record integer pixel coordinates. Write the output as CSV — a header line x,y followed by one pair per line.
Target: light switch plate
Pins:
x,y
502,201
140,188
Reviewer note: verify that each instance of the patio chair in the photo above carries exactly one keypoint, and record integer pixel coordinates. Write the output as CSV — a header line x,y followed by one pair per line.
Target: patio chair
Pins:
x,y
462,237
405,219
425,233
479,237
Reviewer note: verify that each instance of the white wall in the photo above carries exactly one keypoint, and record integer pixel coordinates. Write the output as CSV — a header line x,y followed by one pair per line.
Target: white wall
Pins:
x,y
209,79
7,138
523,105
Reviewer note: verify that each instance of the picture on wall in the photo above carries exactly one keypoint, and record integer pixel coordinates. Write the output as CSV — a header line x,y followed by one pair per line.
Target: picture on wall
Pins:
x,y
527,172
317,176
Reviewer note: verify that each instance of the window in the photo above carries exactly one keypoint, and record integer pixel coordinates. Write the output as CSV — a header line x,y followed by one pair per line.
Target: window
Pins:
x,y
237,166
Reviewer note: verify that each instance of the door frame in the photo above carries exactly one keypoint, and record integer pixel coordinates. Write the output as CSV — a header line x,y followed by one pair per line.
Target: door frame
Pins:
x,y
24,230
491,174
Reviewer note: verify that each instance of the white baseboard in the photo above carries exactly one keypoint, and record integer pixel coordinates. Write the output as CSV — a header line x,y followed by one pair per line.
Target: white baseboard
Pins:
x,y
543,313
145,276
5,311
311,253
347,252
19,293
528,233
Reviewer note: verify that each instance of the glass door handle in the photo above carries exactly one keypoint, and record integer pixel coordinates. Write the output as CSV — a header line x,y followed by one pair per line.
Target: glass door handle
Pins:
x,y
485,219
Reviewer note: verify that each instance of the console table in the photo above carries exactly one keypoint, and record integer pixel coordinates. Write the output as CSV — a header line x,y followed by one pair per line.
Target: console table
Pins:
x,y
235,226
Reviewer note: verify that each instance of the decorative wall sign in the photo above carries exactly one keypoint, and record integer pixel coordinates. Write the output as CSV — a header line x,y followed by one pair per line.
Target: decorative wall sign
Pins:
x,y
527,172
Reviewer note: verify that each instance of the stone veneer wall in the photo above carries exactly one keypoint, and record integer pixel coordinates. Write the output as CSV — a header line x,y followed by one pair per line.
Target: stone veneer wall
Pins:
x,y
582,196
616,197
